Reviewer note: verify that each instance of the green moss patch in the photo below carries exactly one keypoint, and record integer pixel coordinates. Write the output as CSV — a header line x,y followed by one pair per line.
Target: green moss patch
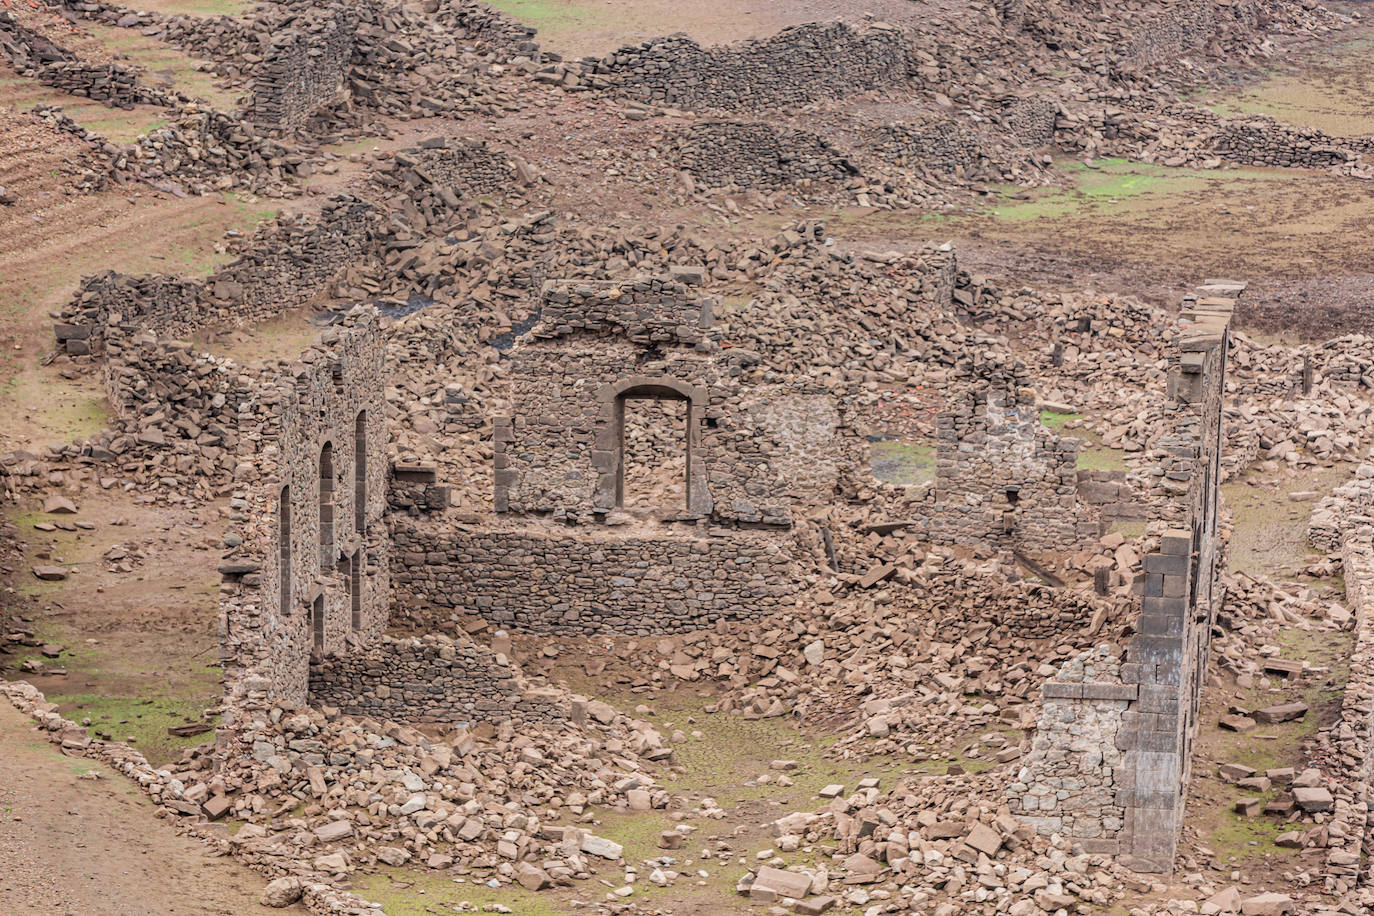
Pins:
x,y
902,462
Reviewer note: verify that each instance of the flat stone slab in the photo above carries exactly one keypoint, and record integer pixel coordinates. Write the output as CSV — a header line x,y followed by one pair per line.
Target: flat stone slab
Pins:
x,y
1286,712
1313,798
783,883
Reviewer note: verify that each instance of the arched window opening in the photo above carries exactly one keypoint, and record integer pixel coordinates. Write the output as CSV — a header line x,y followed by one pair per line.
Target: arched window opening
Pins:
x,y
284,551
360,473
655,450
317,625
327,506
355,587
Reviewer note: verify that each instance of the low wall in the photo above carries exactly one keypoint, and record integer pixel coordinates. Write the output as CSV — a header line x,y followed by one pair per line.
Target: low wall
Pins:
x,y
756,154
800,64
541,579
430,679
288,265
1352,761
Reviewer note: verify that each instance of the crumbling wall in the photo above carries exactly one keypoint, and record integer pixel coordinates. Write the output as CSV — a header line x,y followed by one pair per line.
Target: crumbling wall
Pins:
x,y
430,679
561,448
304,69
1149,740
315,555
465,167
1351,763
1181,25
756,154
288,265
800,64
545,579
940,145
1001,476
1067,785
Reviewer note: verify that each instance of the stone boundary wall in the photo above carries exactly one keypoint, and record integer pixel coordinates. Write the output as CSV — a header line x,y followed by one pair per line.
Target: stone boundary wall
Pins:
x,y
431,679
800,64
304,69
1142,716
756,154
323,563
541,579
1180,26
1328,524
455,167
1353,733
940,145
33,55
288,265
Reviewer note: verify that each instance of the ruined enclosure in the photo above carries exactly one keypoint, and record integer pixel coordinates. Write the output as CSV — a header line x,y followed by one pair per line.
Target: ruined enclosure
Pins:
x,y
700,478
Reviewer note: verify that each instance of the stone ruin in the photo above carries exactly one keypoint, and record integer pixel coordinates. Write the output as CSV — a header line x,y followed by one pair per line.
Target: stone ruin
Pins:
x,y
715,548
1110,761
1002,477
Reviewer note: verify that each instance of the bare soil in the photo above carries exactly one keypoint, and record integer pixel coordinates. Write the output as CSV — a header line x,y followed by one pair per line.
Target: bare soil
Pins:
x,y
74,844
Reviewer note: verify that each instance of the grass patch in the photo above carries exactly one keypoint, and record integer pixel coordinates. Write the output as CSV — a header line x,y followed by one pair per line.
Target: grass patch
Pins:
x,y
1053,419
144,719
1331,96
901,462
1101,458
410,892
553,16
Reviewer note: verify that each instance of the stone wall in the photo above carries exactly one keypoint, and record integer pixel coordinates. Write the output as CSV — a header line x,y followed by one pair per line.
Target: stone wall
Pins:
x,y
543,578
1067,784
1142,716
432,679
303,70
756,154
288,264
463,167
1351,761
1179,26
800,64
311,575
1001,476
561,450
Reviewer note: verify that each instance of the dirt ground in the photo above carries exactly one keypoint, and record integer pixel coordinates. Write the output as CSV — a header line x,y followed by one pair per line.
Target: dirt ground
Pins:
x,y
73,845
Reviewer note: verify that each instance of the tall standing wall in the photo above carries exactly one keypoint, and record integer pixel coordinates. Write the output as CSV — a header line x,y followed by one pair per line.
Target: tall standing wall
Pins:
x,y
1110,762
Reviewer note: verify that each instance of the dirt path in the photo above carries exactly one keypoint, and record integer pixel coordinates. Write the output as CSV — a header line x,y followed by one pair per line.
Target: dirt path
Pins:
x,y
80,846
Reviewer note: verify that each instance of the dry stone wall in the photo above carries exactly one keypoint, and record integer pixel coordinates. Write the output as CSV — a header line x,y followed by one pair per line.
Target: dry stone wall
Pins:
x,y
1351,759
288,265
800,64
539,578
431,679
304,69
1127,796
756,154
